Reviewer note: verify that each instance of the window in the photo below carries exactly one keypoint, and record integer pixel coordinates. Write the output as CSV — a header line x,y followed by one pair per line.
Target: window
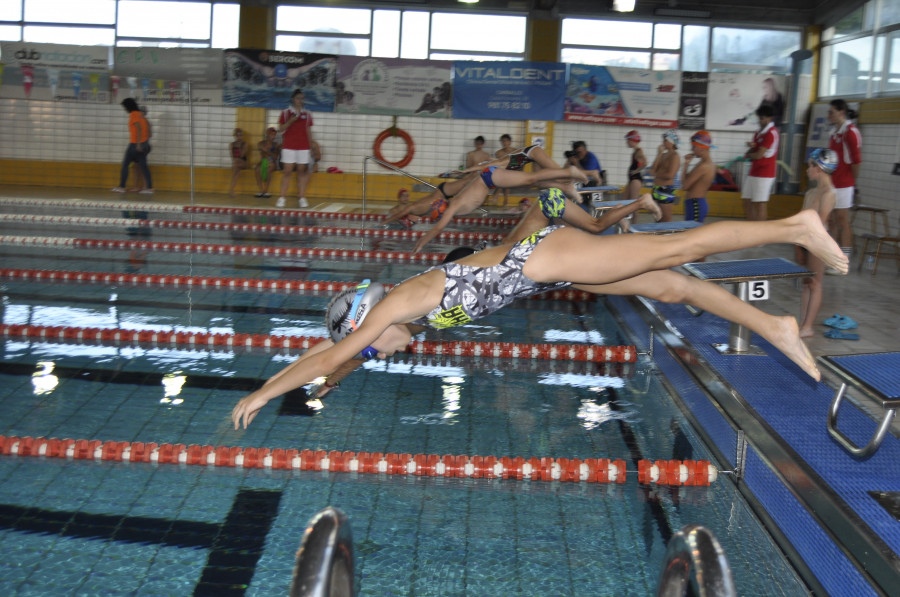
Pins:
x,y
164,19
622,34
846,67
77,36
479,33
606,57
771,49
93,12
386,33
695,50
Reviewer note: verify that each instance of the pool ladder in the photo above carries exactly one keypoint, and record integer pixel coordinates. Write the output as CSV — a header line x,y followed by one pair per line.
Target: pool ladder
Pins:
x,y
695,556
324,563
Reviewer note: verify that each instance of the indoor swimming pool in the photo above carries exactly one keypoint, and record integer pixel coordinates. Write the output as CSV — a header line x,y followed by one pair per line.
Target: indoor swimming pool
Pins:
x,y
91,527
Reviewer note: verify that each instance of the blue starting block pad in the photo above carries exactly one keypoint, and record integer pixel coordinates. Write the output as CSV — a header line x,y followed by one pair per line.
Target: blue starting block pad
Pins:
x,y
664,227
750,282
603,205
876,376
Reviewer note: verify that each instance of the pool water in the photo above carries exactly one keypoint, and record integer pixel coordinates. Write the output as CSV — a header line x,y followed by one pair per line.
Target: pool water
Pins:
x,y
106,528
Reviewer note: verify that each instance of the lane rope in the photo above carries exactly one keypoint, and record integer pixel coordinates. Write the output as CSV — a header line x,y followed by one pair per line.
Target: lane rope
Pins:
x,y
311,287
513,350
454,236
233,211
575,470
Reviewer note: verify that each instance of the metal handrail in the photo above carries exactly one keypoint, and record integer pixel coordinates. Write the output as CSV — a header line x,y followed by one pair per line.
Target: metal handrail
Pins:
x,y
389,167
324,563
694,554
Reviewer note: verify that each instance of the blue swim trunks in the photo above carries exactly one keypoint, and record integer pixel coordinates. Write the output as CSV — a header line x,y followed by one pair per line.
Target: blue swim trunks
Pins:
x,y
487,175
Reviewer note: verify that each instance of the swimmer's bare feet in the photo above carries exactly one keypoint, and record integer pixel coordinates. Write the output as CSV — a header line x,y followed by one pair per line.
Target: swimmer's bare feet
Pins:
x,y
646,202
785,336
807,333
577,174
818,242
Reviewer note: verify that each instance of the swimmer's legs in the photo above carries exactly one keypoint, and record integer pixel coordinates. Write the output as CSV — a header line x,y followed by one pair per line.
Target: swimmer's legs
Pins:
x,y
670,287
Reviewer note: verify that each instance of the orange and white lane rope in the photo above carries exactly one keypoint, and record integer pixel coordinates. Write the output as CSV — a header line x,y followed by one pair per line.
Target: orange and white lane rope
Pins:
x,y
312,287
230,211
507,350
576,470
53,242
376,233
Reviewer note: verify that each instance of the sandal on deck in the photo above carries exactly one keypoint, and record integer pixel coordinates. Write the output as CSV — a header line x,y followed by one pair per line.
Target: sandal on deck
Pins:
x,y
841,322
839,335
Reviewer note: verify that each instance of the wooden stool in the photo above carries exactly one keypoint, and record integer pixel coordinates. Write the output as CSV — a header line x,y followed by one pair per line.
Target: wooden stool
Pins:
x,y
873,212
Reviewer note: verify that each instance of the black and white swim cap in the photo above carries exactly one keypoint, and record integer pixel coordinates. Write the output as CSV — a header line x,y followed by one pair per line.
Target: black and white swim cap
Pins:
x,y
347,310
825,159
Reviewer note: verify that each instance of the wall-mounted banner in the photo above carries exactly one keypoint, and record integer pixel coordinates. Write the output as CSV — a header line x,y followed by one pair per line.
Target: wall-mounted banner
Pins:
x,y
733,99
266,79
161,75
392,86
509,90
694,89
625,96
62,57
27,82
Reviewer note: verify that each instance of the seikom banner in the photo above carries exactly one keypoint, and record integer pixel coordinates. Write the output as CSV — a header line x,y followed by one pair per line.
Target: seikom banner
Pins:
x,y
393,86
509,90
55,72
623,96
266,79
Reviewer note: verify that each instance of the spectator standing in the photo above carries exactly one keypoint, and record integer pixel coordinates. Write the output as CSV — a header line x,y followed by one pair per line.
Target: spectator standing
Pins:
x,y
636,168
846,142
664,170
762,153
821,198
477,155
138,146
696,182
295,123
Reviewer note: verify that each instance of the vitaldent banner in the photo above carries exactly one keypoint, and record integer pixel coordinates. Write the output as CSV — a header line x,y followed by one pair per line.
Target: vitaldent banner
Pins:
x,y
509,90
623,96
162,75
266,79
393,86
733,99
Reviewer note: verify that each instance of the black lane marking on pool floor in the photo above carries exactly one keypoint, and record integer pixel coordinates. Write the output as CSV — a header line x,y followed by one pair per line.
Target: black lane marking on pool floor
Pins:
x,y
235,545
140,378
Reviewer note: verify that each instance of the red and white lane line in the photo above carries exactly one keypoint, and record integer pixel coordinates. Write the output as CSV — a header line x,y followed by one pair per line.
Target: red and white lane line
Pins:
x,y
575,470
376,233
230,211
52,242
506,350
228,283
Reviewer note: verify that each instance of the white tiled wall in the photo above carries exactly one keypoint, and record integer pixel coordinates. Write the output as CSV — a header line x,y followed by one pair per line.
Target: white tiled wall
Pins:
x,y
57,131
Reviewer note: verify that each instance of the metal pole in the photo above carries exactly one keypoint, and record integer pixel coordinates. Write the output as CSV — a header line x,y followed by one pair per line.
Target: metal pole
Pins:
x,y
792,128
191,135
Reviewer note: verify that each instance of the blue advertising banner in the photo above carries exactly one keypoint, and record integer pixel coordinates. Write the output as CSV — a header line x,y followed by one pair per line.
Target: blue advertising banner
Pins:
x,y
509,90
266,79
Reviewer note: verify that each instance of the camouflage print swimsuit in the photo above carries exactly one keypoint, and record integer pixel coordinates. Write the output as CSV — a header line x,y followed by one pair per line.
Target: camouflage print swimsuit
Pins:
x,y
472,292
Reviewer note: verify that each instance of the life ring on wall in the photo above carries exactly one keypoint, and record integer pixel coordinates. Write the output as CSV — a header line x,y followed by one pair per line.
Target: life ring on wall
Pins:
x,y
393,131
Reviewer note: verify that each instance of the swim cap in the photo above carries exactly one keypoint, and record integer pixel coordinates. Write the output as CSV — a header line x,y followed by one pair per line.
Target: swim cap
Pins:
x,y
703,139
825,159
401,191
633,136
553,203
671,135
348,309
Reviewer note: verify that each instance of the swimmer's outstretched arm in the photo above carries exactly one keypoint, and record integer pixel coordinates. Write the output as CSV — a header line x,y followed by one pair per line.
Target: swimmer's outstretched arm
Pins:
x,y
406,302
499,162
442,222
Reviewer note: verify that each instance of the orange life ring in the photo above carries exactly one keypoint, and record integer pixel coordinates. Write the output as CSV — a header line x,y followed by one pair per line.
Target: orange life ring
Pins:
x,y
395,132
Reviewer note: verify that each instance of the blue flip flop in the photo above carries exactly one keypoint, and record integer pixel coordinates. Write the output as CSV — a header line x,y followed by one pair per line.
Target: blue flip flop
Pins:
x,y
841,322
839,335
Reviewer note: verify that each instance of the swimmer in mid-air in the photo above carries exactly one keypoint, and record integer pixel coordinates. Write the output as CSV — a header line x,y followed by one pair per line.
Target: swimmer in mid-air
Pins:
x,y
367,322
475,190
552,204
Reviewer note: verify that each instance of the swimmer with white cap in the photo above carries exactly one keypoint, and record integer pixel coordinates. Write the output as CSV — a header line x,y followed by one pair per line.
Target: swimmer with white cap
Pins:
x,y
555,257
